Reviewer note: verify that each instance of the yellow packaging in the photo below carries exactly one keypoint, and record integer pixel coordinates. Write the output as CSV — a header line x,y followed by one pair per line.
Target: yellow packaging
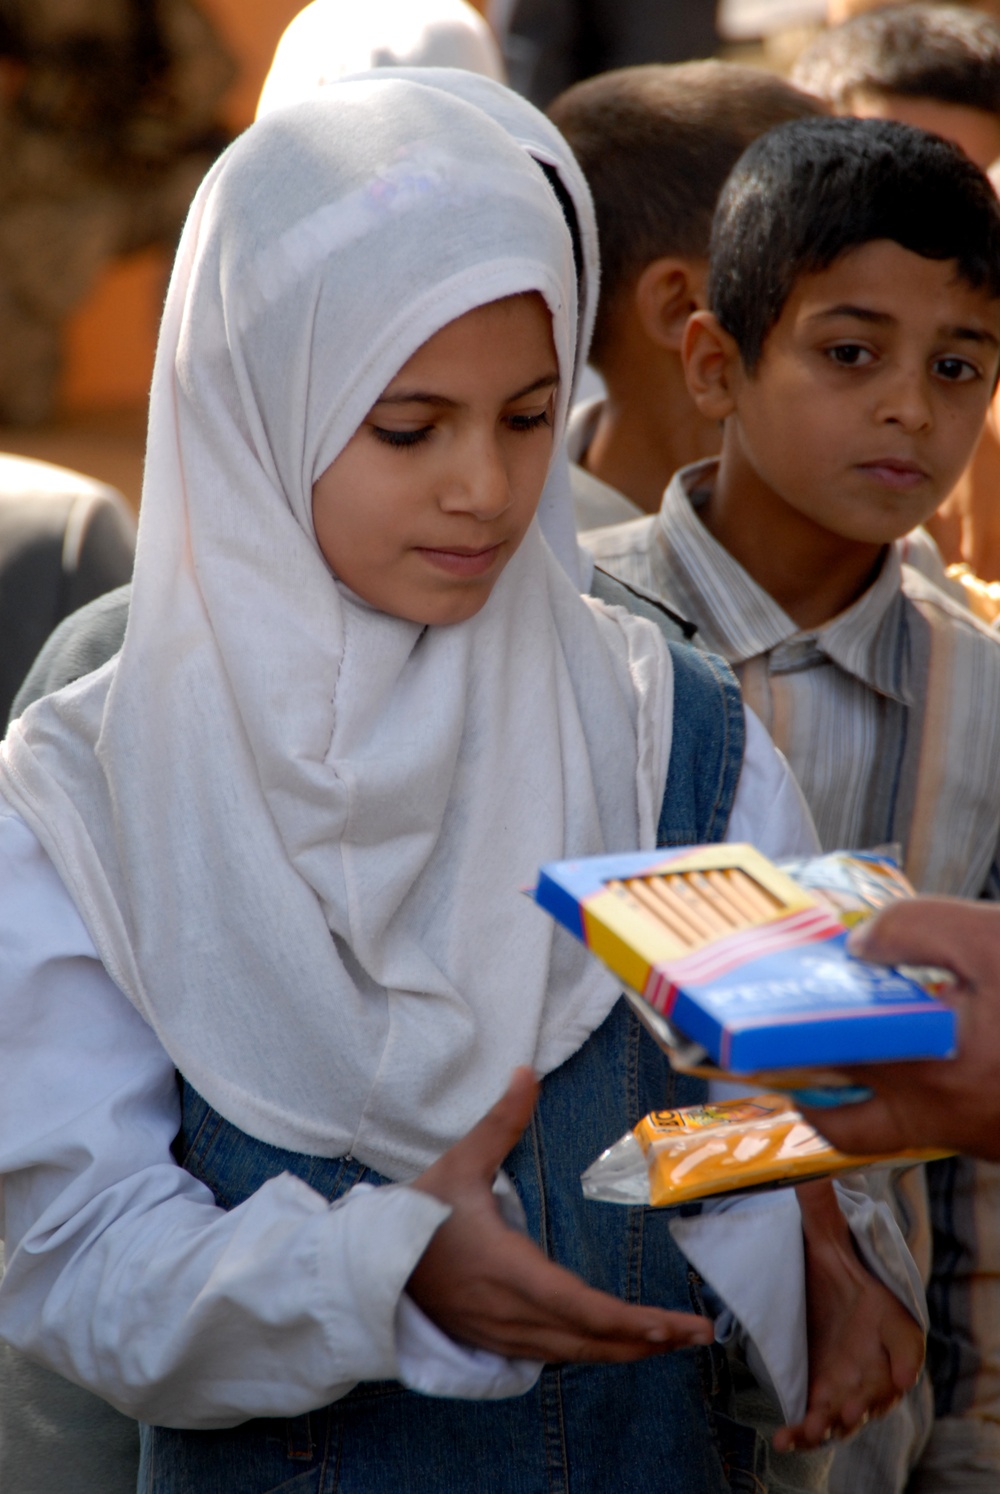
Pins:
x,y
739,1144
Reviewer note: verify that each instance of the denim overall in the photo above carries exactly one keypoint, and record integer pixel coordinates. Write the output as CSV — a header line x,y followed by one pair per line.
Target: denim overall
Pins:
x,y
658,1426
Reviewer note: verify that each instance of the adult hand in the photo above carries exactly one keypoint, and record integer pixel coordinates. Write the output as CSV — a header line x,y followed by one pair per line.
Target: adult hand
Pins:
x,y
865,1349
490,1286
952,1104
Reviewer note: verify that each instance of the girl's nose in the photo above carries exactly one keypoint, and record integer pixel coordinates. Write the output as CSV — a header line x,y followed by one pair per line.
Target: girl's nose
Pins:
x,y
480,486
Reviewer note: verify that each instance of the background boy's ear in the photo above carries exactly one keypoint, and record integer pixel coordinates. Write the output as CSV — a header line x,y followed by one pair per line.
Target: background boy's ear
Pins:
x,y
668,290
712,364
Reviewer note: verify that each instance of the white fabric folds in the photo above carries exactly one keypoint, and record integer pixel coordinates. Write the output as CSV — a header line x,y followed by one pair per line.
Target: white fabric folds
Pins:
x,y
296,827
330,39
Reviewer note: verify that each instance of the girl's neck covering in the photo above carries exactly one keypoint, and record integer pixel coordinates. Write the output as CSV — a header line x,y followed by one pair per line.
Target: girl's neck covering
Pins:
x,y
545,144
331,39
297,827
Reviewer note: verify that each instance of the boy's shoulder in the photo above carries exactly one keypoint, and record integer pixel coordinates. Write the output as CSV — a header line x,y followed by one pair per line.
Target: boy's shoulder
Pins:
x,y
626,550
947,613
610,540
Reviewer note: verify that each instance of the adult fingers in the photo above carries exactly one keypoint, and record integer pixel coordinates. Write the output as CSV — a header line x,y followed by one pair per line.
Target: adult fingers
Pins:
x,y
860,1130
961,936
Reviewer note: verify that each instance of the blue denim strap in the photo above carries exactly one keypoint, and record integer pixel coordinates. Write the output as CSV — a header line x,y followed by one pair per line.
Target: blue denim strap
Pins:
x,y
709,737
706,752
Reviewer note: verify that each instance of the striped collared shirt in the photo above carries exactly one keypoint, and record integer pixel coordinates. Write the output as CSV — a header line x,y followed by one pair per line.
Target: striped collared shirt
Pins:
x,y
889,715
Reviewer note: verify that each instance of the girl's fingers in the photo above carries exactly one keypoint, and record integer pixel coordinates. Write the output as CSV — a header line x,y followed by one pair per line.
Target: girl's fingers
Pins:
x,y
484,1148
563,1300
523,1304
526,1335
486,1285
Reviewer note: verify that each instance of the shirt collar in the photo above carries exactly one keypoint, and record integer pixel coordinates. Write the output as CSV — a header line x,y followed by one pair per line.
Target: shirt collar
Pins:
x,y
596,503
739,619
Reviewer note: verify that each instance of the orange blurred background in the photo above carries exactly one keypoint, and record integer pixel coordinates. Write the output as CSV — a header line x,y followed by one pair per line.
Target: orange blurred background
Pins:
x,y
111,338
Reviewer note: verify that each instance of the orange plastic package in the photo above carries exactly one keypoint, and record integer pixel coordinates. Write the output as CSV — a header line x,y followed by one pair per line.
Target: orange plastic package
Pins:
x,y
673,1156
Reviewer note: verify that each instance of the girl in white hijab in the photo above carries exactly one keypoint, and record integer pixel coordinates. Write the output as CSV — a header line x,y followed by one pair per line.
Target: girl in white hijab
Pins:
x,y
276,845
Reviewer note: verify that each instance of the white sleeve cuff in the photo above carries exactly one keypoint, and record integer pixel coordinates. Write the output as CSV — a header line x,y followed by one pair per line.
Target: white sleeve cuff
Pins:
x,y
431,1362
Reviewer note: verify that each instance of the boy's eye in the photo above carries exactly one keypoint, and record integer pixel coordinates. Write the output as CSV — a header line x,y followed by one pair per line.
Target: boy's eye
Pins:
x,y
528,422
851,355
955,370
400,438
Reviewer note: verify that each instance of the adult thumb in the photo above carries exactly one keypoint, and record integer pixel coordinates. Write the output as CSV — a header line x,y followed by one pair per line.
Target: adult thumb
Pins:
x,y
959,936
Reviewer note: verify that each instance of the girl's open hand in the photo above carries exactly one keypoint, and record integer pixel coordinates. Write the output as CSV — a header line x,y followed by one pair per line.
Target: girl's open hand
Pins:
x,y
865,1349
488,1285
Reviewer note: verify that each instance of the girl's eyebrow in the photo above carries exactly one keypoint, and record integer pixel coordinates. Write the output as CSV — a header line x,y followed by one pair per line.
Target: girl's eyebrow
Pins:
x,y
424,397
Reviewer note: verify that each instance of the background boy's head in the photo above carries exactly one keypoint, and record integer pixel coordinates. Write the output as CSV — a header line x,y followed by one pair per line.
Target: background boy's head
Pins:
x,y
934,66
656,144
868,254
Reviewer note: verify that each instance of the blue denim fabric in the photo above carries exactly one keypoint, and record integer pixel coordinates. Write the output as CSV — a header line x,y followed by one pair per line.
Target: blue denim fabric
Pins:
x,y
660,1427
706,752
583,1429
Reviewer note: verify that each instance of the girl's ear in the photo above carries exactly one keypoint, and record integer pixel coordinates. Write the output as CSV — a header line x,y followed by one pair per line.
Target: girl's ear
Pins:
x,y
711,365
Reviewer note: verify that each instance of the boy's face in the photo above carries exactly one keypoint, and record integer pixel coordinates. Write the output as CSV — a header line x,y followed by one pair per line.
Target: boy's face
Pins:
x,y
870,393
976,131
433,493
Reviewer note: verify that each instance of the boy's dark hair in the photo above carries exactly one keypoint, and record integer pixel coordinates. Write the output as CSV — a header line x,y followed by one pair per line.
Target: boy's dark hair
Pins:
x,y
808,192
656,144
917,51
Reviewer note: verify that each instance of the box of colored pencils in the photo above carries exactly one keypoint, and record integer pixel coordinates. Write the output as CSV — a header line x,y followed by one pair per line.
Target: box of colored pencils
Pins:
x,y
743,960
673,1156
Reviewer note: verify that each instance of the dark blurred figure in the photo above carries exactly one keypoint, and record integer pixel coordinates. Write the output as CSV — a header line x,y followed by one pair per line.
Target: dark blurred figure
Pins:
x,y
554,43
64,540
107,125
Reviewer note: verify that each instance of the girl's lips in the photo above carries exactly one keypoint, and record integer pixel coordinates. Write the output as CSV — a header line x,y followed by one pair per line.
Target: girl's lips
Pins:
x,y
895,474
461,562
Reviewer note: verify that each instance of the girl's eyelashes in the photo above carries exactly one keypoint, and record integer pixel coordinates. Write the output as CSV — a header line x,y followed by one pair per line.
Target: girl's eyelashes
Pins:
x,y
518,424
524,423
400,438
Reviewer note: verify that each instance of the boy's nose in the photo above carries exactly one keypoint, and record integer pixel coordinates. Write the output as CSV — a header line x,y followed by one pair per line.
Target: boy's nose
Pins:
x,y
907,402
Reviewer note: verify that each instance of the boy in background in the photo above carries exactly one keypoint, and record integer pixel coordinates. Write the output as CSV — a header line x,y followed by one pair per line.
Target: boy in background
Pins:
x,y
656,144
850,353
933,66
937,67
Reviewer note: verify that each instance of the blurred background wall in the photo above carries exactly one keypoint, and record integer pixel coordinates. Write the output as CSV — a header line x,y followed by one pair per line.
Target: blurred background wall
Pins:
x,y
97,417
110,339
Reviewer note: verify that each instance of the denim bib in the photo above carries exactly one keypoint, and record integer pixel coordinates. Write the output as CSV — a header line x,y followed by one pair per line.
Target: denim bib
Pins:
x,y
660,1426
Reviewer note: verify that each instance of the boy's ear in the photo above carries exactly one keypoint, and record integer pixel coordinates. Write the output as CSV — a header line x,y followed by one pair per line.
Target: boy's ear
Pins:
x,y
666,293
711,365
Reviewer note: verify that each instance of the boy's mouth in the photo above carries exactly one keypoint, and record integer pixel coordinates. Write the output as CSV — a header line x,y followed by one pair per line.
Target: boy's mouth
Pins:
x,y
459,562
893,472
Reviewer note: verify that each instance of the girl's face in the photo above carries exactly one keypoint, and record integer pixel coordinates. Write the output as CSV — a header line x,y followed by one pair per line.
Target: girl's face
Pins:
x,y
433,493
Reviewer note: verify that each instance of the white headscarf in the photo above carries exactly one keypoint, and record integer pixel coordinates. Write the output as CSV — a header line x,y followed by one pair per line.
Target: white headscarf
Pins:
x,y
331,39
543,142
297,827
